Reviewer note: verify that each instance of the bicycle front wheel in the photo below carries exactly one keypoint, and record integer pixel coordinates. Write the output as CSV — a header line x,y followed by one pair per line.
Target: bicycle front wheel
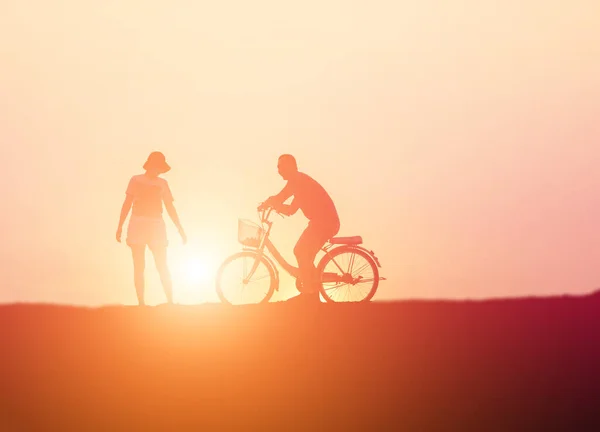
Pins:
x,y
238,284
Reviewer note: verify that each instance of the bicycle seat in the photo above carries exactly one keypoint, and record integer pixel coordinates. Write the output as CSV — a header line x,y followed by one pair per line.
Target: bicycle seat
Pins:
x,y
353,240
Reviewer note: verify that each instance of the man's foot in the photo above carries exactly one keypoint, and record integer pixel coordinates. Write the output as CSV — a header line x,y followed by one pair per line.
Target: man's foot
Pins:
x,y
296,299
313,297
305,298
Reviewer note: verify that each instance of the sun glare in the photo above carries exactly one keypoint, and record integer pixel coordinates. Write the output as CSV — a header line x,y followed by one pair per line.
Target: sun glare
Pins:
x,y
195,270
193,277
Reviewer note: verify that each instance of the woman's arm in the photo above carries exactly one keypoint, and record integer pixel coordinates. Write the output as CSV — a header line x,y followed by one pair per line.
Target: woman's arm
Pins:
x,y
175,218
124,212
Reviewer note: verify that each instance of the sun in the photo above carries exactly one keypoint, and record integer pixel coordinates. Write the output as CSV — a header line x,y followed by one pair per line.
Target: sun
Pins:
x,y
195,270
193,277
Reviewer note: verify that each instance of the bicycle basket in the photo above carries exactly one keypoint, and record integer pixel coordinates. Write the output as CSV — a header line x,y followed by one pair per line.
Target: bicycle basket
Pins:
x,y
249,233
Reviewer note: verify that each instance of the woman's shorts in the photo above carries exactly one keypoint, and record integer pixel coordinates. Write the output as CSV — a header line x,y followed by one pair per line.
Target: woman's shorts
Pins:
x,y
144,231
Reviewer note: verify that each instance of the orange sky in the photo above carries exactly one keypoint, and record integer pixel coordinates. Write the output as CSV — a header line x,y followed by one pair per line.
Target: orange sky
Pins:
x,y
460,139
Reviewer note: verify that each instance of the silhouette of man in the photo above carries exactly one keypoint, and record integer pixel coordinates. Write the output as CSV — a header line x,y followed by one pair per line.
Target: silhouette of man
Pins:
x,y
318,207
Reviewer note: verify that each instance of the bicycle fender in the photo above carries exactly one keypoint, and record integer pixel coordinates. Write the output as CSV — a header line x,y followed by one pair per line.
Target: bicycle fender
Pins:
x,y
370,252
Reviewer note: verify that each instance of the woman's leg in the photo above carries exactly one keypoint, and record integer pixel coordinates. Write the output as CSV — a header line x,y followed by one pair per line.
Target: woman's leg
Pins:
x,y
160,258
139,261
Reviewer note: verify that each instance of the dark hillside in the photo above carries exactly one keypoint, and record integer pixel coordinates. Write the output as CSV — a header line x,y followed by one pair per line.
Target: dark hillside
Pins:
x,y
524,364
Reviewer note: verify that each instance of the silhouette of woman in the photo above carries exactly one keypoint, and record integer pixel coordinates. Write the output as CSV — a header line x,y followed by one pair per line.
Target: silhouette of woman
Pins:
x,y
146,194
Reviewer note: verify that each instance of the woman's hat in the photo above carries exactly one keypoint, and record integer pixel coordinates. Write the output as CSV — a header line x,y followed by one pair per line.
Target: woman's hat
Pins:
x,y
157,161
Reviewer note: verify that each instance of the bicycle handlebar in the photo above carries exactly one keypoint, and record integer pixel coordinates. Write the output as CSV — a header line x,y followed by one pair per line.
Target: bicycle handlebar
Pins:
x,y
265,211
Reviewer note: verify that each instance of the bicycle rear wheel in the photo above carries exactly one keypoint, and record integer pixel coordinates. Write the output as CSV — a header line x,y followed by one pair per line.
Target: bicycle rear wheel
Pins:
x,y
348,274
235,284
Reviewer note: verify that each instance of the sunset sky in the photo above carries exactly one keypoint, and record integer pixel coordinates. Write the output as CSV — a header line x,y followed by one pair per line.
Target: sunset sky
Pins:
x,y
459,138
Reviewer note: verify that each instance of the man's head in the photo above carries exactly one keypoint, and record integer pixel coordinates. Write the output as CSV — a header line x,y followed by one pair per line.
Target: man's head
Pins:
x,y
286,166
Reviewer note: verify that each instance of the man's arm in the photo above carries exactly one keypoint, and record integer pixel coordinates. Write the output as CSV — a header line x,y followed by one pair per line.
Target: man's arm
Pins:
x,y
281,197
288,209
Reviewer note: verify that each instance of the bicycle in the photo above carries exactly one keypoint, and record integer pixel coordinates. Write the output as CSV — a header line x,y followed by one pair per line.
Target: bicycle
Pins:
x,y
257,266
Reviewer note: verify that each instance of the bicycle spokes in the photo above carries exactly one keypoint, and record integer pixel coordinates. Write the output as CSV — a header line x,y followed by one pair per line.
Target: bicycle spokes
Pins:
x,y
348,277
245,280
248,275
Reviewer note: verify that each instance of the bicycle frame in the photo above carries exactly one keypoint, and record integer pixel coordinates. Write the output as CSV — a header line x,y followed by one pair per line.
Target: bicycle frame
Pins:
x,y
265,242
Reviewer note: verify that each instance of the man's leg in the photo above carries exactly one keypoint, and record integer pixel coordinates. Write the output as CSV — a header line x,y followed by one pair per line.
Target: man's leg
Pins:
x,y
160,258
306,249
139,261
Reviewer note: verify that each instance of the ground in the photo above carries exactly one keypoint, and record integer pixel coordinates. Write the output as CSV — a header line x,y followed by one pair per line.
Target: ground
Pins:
x,y
506,365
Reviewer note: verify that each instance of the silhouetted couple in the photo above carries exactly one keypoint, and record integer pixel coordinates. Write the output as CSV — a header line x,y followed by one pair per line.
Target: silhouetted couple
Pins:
x,y
147,192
